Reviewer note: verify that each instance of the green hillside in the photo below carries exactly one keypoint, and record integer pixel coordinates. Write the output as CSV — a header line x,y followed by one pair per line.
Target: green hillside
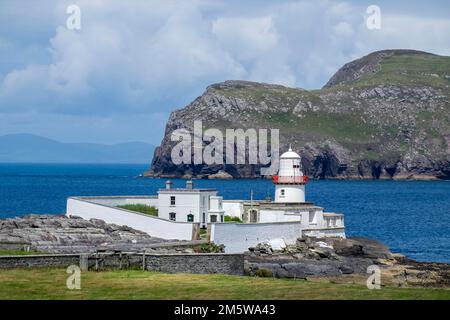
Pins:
x,y
386,115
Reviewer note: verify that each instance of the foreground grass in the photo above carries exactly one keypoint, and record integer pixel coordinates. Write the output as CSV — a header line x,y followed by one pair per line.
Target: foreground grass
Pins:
x,y
51,284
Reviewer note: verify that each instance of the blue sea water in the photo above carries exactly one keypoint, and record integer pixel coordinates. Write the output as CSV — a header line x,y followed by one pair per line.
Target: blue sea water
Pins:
x,y
412,217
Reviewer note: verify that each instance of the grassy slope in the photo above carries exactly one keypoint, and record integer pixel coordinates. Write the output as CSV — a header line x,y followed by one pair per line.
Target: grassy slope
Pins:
x,y
418,69
51,284
348,124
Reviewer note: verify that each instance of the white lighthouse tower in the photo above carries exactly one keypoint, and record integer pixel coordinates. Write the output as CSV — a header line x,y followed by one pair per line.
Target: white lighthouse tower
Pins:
x,y
290,181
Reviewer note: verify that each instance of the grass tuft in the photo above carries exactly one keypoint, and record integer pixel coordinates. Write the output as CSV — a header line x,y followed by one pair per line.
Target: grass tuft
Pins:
x,y
142,208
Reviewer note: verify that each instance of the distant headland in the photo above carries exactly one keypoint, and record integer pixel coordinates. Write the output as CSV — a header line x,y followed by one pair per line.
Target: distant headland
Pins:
x,y
383,116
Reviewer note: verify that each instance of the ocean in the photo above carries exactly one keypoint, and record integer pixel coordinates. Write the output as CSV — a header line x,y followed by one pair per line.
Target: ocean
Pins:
x,y
411,217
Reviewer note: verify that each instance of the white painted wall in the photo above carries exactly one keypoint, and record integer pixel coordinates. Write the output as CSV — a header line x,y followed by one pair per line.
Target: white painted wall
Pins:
x,y
233,208
267,216
238,237
308,218
186,202
325,232
216,209
154,226
289,193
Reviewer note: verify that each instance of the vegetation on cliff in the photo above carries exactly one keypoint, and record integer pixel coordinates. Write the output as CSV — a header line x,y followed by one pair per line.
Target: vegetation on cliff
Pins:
x,y
386,115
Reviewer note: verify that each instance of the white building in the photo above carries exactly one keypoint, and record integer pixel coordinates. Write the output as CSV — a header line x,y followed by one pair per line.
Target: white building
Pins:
x,y
190,204
182,211
289,201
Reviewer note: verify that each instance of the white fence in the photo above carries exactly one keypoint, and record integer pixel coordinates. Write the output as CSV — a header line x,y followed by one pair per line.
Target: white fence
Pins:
x,y
102,208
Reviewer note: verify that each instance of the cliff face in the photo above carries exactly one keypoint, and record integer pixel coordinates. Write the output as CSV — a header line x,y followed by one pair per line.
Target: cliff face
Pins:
x,y
386,115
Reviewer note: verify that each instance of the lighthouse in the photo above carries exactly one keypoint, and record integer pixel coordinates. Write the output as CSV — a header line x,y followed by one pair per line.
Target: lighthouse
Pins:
x,y
290,181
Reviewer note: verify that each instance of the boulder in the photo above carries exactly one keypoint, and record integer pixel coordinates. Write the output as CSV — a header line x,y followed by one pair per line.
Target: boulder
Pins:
x,y
362,247
220,175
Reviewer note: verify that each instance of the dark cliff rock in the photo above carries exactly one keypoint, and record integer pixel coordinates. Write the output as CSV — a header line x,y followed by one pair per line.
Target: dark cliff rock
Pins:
x,y
384,116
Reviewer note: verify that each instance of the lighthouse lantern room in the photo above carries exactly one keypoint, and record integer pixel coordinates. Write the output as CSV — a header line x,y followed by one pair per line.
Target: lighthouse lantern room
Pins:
x,y
290,181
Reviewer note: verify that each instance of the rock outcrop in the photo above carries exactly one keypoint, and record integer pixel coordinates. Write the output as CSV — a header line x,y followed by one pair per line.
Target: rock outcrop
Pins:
x,y
340,259
384,116
60,234
312,257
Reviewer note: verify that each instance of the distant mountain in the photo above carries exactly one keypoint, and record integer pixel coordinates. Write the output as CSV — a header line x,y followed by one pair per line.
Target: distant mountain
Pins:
x,y
384,116
36,149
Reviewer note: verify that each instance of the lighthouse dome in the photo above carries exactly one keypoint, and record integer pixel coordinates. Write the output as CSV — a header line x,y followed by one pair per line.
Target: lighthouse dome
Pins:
x,y
290,155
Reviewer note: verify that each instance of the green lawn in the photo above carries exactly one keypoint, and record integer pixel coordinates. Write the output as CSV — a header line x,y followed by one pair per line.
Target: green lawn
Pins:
x,y
51,284
142,208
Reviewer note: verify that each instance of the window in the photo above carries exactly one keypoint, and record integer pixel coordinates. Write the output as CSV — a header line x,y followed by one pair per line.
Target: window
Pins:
x,y
172,200
282,192
213,218
221,218
173,216
190,217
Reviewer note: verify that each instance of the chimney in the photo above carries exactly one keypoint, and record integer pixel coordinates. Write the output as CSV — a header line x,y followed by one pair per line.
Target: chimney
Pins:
x,y
189,185
168,184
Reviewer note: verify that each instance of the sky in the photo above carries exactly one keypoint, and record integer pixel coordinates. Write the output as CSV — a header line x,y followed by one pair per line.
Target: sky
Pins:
x,y
118,77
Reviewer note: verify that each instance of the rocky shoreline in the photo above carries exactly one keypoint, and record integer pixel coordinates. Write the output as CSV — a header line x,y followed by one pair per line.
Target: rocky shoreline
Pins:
x,y
223,175
342,260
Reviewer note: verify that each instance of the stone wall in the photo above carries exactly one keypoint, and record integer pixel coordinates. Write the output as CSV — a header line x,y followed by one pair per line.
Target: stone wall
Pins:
x,y
38,261
197,263
169,263
15,245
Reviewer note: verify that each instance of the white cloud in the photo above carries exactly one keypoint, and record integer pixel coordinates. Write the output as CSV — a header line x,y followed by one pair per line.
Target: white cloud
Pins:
x,y
255,43
147,57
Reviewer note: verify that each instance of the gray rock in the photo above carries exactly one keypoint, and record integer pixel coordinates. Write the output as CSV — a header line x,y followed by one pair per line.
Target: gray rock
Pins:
x,y
312,259
362,247
60,234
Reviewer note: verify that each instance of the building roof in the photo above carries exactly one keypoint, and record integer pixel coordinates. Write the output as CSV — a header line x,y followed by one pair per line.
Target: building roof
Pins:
x,y
177,190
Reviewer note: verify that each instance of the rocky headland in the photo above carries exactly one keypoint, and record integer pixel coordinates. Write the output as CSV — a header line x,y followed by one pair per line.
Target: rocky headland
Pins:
x,y
384,116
